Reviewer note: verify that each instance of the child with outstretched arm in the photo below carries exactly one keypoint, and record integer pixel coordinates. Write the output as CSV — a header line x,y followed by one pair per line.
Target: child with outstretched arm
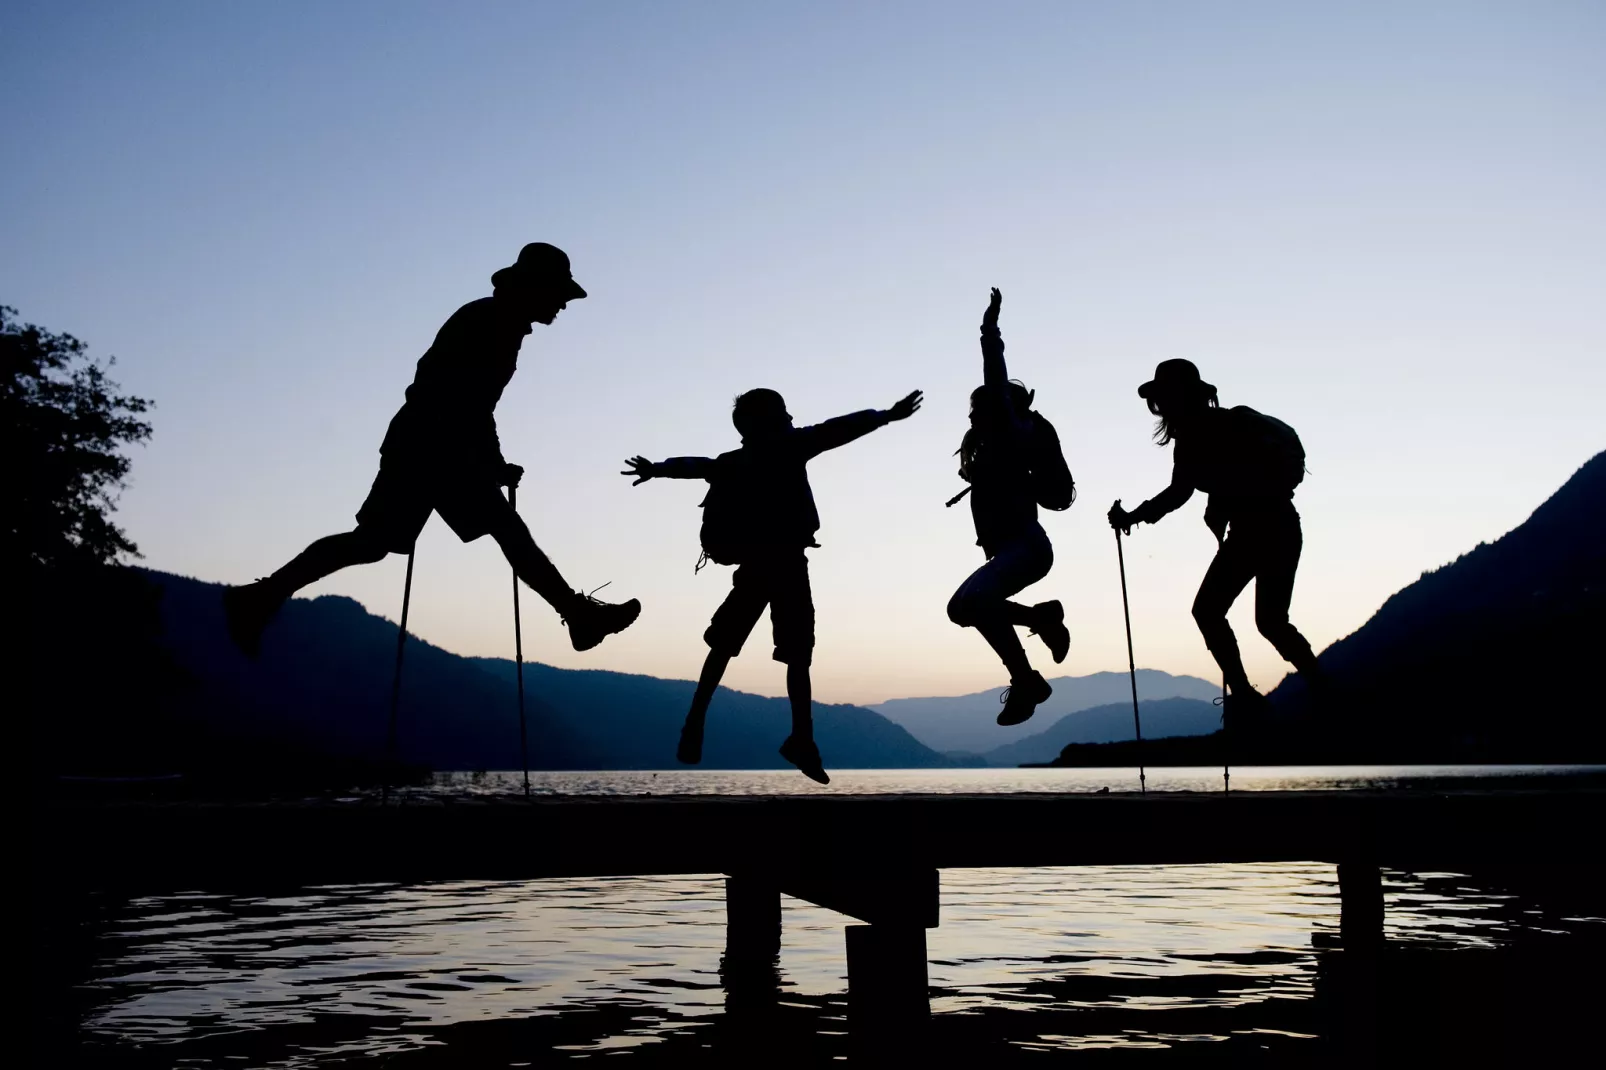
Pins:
x,y
759,515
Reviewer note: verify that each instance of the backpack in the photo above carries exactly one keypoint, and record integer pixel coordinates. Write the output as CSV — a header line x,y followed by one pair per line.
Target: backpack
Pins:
x,y
1274,448
1052,484
1049,476
723,532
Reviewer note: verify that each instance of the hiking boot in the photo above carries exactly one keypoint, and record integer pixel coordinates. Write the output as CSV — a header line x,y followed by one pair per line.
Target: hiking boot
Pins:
x,y
1021,697
1245,710
690,751
592,620
1050,628
247,609
806,756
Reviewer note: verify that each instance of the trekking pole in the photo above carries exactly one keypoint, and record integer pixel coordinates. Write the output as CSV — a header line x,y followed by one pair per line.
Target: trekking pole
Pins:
x,y
1132,664
395,683
1226,752
518,654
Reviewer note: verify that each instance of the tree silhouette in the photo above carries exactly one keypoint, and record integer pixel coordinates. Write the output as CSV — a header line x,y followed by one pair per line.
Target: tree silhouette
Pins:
x,y
63,427
89,674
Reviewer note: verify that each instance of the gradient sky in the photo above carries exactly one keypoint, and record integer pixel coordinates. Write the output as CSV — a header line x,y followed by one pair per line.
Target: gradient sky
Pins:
x,y
1383,223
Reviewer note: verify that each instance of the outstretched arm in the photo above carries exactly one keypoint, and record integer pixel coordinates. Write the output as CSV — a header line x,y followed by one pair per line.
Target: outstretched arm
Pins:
x,y
1169,500
840,430
674,468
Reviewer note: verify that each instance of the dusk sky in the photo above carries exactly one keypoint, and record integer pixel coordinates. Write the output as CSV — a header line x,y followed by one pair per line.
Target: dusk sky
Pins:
x,y
1382,223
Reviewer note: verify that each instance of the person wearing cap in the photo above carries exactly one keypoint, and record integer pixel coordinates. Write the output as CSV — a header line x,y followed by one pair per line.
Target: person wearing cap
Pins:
x,y
441,454
1249,464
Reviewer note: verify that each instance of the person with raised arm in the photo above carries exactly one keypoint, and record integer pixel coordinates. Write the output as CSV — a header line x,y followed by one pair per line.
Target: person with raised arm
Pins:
x,y
1012,460
759,515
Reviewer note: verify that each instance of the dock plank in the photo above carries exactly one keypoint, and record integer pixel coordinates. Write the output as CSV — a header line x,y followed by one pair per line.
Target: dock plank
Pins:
x,y
198,844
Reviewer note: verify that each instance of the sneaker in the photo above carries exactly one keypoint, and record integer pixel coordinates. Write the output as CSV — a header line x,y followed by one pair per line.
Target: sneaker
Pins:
x,y
247,609
1021,697
593,620
806,756
1051,629
690,751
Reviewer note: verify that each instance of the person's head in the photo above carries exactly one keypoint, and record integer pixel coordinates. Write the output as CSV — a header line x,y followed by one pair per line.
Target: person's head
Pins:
x,y
1177,395
540,284
985,410
760,414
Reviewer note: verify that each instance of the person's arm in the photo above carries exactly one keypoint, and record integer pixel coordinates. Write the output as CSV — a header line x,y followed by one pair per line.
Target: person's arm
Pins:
x,y
840,430
994,374
1169,500
673,468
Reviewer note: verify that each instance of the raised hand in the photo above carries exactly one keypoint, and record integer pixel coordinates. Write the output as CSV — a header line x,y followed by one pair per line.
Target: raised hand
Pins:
x,y
906,407
989,319
641,468
1120,519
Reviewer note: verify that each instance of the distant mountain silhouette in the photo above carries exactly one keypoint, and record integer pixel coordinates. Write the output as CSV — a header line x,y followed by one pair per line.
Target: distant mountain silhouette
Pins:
x,y
322,686
1110,724
1492,657
964,723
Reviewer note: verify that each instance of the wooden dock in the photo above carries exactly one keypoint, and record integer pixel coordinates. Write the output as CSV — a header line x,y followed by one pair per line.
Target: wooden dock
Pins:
x,y
875,858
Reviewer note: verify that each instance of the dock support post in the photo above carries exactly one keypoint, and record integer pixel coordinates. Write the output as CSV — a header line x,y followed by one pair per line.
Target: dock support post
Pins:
x,y
752,921
887,980
1360,898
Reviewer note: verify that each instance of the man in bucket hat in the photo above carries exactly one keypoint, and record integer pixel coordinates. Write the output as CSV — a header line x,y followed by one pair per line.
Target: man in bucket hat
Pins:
x,y
441,454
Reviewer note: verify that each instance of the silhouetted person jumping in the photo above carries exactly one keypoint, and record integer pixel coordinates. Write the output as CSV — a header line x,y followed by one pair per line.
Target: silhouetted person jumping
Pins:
x,y
759,514
1249,465
1012,460
441,454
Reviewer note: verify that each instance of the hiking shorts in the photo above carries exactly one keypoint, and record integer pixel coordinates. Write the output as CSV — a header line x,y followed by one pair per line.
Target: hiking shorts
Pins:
x,y
403,496
780,582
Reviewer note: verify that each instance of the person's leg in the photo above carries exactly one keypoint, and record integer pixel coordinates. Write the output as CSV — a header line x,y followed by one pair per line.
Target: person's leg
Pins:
x,y
792,619
791,600
1274,591
977,604
733,622
389,521
690,750
324,557
529,563
1224,581
248,609
1019,614
800,692
477,509
983,600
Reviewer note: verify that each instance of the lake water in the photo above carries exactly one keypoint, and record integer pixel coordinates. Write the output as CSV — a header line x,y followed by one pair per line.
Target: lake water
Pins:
x,y
1114,963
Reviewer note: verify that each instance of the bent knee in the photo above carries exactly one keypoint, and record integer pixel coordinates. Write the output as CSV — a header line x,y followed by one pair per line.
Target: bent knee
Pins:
x,y
962,610
1274,629
368,547
1207,615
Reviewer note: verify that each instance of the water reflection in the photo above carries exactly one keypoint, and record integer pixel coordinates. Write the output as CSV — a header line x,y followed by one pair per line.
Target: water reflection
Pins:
x,y
1168,960
1003,781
